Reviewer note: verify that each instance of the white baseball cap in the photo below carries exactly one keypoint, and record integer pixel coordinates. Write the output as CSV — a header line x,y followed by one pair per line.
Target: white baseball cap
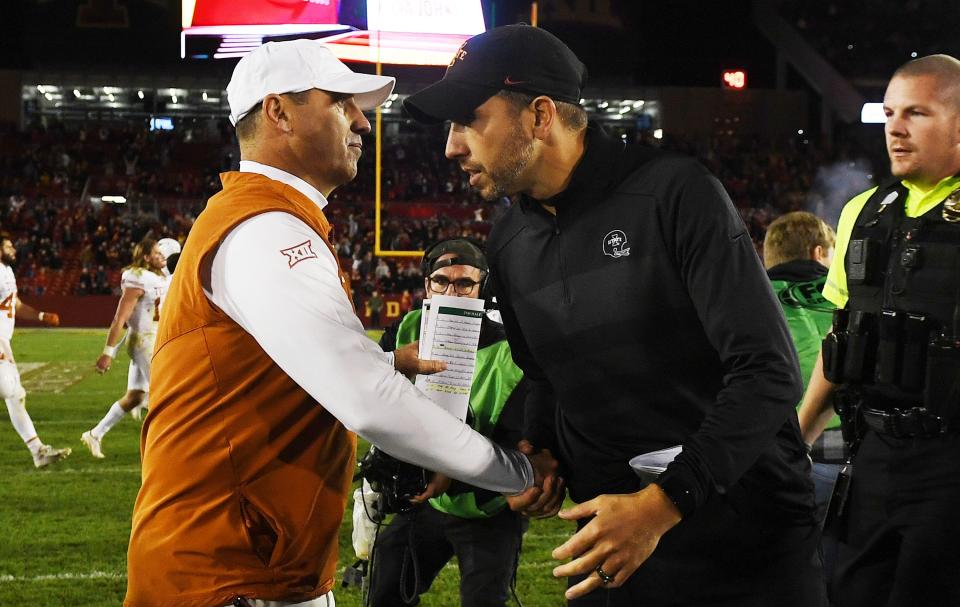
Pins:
x,y
294,66
168,246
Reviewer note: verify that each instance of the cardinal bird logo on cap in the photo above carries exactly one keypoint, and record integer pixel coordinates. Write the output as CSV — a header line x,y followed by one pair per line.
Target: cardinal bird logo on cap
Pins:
x,y
459,55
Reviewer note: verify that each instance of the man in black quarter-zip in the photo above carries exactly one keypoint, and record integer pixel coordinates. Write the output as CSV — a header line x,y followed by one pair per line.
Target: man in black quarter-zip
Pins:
x,y
635,303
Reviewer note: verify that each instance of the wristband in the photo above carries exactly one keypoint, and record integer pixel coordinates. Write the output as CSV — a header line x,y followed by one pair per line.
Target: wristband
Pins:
x,y
40,316
110,351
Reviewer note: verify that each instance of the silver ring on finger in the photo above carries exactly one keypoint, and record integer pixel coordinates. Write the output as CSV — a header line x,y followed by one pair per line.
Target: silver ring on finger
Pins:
x,y
605,577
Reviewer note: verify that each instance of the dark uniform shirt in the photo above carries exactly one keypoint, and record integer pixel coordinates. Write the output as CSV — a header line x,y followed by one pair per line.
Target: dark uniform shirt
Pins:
x,y
643,318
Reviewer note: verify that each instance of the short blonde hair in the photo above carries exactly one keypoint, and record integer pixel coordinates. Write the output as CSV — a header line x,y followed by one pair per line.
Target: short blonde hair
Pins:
x,y
794,236
944,68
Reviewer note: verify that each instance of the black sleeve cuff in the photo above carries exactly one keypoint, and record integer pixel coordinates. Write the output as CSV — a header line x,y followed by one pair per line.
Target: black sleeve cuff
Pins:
x,y
680,491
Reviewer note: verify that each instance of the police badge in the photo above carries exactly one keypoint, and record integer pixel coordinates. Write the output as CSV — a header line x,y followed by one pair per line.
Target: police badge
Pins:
x,y
951,207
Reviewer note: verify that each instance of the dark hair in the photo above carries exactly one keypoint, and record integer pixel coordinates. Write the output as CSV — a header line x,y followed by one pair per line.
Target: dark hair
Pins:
x,y
247,126
572,116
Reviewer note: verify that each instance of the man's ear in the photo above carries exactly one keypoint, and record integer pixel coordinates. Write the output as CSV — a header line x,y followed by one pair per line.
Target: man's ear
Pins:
x,y
819,254
275,113
544,116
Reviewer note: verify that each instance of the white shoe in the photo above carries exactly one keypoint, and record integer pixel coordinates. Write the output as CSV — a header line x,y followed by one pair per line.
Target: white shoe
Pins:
x,y
138,412
92,443
47,455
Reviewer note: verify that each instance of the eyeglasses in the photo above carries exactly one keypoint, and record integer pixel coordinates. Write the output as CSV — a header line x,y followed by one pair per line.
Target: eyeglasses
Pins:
x,y
461,286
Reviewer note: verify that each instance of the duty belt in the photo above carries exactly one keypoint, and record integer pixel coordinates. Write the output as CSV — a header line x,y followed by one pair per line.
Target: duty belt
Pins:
x,y
904,423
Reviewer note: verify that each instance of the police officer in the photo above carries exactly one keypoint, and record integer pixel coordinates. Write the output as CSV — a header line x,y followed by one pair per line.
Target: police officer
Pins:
x,y
896,349
462,520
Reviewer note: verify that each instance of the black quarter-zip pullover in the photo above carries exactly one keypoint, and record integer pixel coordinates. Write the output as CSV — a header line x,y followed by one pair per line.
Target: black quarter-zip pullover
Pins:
x,y
643,317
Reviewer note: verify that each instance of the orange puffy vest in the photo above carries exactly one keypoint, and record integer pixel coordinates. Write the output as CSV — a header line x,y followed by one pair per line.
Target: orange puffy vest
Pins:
x,y
245,476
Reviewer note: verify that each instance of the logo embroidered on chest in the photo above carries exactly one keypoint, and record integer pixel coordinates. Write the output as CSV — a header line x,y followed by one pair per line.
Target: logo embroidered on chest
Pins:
x,y
298,253
615,244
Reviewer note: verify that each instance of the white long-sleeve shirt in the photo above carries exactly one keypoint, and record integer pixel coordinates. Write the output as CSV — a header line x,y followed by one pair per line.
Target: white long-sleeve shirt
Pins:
x,y
277,279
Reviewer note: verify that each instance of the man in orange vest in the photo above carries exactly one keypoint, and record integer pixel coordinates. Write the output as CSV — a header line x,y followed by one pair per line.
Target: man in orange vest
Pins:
x,y
262,370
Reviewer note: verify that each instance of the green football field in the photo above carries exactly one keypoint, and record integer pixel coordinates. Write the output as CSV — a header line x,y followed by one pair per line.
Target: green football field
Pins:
x,y
64,529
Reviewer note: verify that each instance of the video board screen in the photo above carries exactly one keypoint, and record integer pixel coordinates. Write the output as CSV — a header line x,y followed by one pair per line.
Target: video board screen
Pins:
x,y
199,13
400,32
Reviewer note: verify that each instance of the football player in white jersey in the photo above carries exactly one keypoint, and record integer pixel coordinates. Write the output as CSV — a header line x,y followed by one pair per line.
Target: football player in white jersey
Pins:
x,y
170,249
143,284
11,391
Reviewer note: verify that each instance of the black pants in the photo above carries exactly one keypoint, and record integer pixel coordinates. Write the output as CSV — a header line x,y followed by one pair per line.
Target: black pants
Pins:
x,y
903,534
722,557
486,550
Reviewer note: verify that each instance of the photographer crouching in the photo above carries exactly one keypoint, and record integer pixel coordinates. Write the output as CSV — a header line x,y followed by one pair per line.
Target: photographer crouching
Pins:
x,y
452,518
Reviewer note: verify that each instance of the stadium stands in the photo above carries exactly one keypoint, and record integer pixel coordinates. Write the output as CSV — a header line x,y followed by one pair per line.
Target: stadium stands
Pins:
x,y
867,38
53,180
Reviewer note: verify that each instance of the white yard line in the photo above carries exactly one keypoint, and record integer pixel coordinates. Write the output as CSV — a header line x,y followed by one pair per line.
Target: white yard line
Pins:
x,y
53,469
92,575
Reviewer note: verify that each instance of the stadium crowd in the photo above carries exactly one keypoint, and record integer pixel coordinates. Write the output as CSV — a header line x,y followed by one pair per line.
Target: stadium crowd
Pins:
x,y
70,242
866,37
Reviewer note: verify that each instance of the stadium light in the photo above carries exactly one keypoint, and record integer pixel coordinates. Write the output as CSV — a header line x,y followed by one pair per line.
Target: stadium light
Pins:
x,y
114,199
872,113
734,79
658,134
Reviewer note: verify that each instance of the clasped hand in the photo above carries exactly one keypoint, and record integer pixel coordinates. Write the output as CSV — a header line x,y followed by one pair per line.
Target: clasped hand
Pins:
x,y
546,496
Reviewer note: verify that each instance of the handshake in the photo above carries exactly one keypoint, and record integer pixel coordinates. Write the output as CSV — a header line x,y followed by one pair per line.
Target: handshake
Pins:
x,y
401,485
542,500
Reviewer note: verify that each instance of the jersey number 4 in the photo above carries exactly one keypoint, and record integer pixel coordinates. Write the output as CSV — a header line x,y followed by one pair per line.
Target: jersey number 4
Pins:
x,y
7,305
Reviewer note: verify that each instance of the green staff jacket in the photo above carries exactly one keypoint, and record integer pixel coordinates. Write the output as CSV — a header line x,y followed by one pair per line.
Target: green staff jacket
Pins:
x,y
799,285
496,408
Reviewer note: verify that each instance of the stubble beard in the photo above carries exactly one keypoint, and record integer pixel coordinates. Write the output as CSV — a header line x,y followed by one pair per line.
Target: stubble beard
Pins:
x,y
515,157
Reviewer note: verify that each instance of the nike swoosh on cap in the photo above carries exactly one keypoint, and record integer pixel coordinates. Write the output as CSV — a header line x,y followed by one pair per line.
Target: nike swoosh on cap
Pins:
x,y
509,82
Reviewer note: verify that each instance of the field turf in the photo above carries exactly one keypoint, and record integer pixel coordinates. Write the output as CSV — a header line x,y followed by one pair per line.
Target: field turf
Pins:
x,y
64,529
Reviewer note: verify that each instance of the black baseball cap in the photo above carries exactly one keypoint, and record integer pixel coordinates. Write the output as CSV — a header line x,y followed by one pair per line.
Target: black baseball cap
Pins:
x,y
466,253
517,57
